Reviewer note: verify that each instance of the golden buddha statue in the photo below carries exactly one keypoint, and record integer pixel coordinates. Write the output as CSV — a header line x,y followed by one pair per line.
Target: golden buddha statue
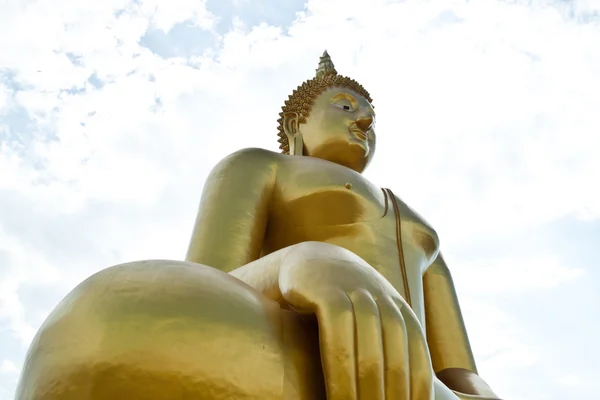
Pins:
x,y
302,281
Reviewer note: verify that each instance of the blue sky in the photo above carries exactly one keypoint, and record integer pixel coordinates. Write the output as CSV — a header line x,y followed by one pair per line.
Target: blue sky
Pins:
x,y
112,113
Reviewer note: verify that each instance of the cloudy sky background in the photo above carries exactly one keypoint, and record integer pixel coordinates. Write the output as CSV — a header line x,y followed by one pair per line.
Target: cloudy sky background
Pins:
x,y
112,114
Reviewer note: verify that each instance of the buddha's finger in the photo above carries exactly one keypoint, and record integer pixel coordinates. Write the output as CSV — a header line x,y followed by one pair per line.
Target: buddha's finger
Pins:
x,y
421,371
336,335
369,346
395,349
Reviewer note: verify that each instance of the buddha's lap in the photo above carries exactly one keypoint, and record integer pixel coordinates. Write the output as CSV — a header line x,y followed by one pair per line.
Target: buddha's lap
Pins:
x,y
167,329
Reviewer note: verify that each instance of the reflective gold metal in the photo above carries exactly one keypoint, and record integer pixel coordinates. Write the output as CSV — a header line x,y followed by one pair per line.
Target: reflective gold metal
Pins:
x,y
294,286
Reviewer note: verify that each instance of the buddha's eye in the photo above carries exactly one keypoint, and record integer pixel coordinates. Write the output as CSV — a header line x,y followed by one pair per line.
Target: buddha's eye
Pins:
x,y
344,105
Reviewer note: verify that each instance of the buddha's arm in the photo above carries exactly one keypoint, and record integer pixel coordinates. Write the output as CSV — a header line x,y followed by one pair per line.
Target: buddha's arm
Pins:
x,y
234,209
447,338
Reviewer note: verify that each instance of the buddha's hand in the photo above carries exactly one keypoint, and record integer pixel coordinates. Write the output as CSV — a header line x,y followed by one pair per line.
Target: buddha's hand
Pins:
x,y
372,346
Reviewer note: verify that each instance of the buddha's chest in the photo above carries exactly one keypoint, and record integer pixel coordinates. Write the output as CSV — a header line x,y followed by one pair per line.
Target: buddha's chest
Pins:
x,y
316,200
318,193
324,202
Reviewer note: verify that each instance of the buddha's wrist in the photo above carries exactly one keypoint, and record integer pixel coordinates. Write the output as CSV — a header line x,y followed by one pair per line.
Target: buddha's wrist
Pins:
x,y
263,275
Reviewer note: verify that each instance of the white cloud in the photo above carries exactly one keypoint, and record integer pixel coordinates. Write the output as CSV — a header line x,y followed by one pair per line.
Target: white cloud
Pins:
x,y
487,125
8,367
586,6
515,275
165,16
5,95
20,264
569,380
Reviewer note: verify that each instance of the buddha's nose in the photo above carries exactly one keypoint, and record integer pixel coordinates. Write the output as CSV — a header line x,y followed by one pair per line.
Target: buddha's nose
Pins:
x,y
364,123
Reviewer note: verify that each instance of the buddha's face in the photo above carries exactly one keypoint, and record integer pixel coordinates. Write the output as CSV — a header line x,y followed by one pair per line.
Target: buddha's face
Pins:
x,y
340,128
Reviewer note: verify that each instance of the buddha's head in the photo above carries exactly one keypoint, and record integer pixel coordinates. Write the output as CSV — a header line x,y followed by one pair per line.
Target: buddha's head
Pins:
x,y
329,117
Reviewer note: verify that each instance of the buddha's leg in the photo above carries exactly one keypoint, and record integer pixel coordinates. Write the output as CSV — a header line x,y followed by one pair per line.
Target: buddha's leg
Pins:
x,y
168,330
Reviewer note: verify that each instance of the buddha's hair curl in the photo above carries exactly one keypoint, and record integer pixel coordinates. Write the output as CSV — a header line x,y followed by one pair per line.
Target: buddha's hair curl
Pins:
x,y
302,99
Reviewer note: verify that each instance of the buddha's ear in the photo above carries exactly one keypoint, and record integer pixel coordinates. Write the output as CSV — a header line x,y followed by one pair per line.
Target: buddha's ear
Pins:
x,y
291,128
291,121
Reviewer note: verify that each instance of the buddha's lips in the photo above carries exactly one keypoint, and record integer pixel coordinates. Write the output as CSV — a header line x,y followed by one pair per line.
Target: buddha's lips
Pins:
x,y
359,134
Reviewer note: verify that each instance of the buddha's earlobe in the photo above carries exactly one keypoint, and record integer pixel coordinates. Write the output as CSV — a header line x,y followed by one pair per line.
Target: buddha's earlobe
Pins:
x,y
291,128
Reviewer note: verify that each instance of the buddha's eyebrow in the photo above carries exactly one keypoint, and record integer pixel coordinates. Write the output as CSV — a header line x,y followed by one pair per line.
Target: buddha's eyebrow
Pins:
x,y
346,96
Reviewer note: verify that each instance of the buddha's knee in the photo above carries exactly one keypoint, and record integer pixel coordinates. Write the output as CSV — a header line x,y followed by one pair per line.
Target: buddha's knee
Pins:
x,y
154,330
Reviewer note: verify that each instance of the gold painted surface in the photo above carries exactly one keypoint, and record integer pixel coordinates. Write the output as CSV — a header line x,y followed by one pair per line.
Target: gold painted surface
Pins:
x,y
302,280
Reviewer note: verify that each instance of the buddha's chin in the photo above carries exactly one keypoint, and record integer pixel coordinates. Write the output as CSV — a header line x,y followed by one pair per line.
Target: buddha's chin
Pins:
x,y
353,154
355,157
359,146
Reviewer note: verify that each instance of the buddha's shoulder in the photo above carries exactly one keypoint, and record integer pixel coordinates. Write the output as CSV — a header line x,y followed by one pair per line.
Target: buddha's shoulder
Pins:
x,y
423,231
257,159
250,159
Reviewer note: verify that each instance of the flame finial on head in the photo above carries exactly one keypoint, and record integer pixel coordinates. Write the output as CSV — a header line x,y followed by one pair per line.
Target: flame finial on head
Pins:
x,y
326,66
